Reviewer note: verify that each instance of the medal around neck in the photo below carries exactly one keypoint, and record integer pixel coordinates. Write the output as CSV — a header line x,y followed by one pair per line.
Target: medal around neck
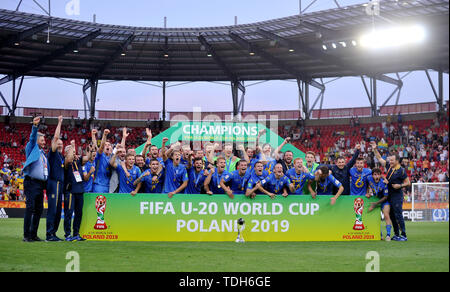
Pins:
x,y
241,227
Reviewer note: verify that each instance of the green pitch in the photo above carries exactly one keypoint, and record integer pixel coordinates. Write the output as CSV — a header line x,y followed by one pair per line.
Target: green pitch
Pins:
x,y
426,250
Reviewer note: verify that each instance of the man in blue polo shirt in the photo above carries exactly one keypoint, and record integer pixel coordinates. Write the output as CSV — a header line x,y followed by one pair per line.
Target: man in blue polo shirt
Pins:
x,y
36,174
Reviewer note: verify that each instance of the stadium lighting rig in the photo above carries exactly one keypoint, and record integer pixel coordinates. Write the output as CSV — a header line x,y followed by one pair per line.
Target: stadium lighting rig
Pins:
x,y
393,37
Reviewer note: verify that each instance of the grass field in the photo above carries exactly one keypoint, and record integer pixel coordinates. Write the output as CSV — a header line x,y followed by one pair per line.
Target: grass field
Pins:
x,y
426,250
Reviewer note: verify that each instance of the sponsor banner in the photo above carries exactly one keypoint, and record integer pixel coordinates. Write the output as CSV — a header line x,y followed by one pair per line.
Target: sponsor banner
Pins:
x,y
426,205
440,215
17,204
418,215
155,217
6,213
12,204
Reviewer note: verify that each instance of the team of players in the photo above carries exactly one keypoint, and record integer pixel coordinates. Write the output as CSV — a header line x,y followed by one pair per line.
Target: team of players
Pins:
x,y
177,169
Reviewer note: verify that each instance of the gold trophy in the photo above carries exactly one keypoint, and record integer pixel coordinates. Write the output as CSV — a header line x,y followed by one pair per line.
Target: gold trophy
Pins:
x,y
241,227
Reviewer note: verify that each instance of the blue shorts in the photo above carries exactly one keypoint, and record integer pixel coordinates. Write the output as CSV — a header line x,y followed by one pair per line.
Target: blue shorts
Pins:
x,y
384,204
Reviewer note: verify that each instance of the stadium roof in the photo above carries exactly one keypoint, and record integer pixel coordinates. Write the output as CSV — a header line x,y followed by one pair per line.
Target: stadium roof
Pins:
x,y
285,48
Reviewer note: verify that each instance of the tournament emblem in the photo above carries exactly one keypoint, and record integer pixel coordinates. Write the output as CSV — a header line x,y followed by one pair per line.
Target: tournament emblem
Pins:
x,y
100,206
358,206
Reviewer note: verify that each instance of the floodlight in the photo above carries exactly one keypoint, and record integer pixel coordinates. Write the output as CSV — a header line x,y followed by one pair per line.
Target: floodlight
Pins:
x,y
393,37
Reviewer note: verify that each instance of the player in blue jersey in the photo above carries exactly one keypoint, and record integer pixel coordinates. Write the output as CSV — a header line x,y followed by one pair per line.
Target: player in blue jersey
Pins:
x,y
277,183
152,178
299,176
358,178
89,170
212,182
128,173
379,189
235,182
196,175
176,177
102,166
325,182
256,182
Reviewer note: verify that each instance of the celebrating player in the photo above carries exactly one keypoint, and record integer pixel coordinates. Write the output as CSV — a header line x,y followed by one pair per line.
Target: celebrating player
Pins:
x,y
299,175
379,189
325,182
358,178
236,182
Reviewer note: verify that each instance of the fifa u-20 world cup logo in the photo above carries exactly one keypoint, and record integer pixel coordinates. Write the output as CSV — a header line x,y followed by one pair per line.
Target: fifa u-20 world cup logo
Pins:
x,y
358,206
100,206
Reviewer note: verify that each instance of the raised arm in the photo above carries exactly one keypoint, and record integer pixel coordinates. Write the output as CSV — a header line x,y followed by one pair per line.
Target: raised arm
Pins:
x,y
373,144
258,149
102,143
355,156
94,137
241,147
124,137
277,151
57,134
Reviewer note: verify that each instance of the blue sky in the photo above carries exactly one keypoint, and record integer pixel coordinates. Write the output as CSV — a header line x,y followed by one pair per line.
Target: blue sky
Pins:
x,y
54,93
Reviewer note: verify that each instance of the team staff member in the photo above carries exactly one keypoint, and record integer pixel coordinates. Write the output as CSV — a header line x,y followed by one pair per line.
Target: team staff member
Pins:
x,y
288,157
55,184
36,175
341,170
73,194
397,179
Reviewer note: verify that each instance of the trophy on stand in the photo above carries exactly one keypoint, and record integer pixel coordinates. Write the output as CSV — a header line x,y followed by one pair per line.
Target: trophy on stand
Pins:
x,y
241,227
